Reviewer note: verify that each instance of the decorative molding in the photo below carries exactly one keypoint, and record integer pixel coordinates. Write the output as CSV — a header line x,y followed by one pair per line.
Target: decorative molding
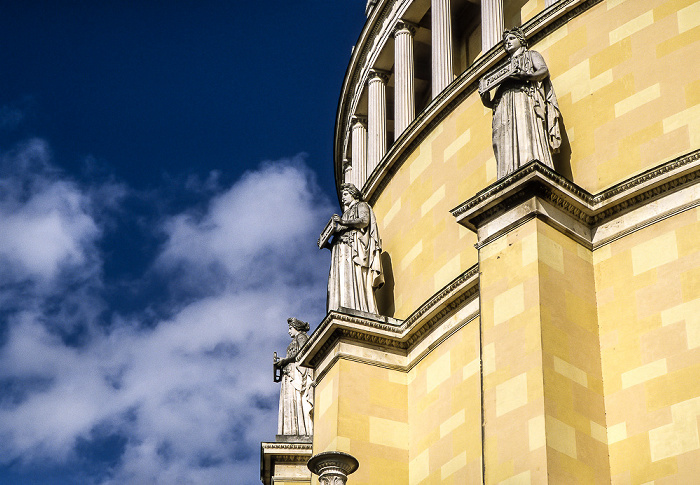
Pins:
x,y
584,209
404,26
399,337
272,453
379,75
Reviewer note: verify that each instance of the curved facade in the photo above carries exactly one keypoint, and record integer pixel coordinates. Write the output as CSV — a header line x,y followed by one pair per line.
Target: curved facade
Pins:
x,y
539,328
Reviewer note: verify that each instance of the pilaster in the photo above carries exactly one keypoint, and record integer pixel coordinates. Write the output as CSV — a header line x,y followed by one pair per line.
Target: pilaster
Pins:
x,y
359,151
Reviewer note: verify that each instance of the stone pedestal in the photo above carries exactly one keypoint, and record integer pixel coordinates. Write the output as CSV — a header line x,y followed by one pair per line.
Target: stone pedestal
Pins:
x,y
441,31
333,467
285,462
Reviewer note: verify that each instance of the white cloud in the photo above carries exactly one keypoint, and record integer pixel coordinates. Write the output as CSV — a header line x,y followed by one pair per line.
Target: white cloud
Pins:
x,y
192,394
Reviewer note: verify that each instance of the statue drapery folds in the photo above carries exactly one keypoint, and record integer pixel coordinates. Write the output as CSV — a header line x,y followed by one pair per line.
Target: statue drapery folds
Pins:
x,y
525,109
356,270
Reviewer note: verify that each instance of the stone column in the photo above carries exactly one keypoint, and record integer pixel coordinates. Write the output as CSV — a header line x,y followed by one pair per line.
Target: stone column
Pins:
x,y
441,30
332,467
491,23
359,151
404,72
347,171
376,119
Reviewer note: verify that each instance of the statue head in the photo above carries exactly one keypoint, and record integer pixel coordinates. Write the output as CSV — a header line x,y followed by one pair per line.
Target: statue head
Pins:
x,y
513,39
352,191
296,326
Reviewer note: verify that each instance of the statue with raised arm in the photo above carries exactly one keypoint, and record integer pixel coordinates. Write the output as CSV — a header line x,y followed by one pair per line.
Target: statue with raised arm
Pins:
x,y
296,393
525,110
356,269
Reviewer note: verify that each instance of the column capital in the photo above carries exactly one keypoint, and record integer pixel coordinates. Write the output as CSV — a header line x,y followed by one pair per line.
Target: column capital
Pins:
x,y
404,26
354,119
378,74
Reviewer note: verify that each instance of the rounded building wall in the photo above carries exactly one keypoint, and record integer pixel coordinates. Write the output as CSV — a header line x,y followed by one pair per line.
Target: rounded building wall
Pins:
x,y
628,95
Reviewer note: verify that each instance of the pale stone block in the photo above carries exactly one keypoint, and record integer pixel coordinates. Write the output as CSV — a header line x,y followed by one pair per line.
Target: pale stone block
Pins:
x,y
447,273
452,423
637,99
552,39
617,432
599,432
584,254
644,373
614,3
438,372
688,312
508,304
571,372
529,249
419,468
432,201
491,167
519,479
493,248
653,253
561,437
459,143
574,81
536,432
397,377
411,255
342,443
388,432
631,27
528,8
689,117
325,398
472,368
395,208
455,464
418,166
511,394
688,17
674,439
601,254
550,253
489,357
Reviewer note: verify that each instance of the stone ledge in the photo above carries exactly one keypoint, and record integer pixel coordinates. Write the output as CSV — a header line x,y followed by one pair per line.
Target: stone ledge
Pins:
x,y
272,453
537,191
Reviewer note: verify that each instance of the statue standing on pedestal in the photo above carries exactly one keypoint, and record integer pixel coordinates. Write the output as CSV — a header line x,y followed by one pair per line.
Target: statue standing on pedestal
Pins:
x,y
356,269
296,394
525,110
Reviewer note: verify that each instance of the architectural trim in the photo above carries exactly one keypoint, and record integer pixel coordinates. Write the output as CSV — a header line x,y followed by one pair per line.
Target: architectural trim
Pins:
x,y
272,453
396,340
595,220
541,25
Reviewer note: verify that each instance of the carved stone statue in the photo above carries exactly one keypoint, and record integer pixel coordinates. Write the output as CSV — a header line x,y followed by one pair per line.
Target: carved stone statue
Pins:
x,y
525,110
296,394
356,269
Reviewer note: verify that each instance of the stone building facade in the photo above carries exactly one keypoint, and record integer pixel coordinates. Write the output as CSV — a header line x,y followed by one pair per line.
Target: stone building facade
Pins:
x,y
539,328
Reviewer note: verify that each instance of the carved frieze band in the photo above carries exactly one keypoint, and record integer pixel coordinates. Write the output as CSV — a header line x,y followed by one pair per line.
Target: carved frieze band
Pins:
x,y
400,337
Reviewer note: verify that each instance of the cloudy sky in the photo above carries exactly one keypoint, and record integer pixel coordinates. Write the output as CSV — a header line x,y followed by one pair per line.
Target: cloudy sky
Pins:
x,y
165,169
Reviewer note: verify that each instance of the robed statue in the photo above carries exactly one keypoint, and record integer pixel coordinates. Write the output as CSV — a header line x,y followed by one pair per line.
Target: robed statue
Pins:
x,y
296,393
356,269
525,110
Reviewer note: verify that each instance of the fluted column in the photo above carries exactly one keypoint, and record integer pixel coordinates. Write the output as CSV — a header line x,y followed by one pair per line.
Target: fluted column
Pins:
x,y
441,31
491,23
359,151
347,171
404,73
376,118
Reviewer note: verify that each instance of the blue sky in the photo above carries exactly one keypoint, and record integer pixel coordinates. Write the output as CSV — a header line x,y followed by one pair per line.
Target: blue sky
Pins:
x,y
165,168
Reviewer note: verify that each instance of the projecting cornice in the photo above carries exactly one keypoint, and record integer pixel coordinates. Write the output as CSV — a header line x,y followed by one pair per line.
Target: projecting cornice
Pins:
x,y
595,220
386,341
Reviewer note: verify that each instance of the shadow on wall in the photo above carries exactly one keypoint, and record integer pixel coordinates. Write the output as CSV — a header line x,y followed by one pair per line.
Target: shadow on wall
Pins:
x,y
562,160
385,294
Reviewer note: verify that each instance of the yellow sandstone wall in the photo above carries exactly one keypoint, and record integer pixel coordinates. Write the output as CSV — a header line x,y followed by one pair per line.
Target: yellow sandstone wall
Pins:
x,y
628,82
544,414
444,413
362,410
648,287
